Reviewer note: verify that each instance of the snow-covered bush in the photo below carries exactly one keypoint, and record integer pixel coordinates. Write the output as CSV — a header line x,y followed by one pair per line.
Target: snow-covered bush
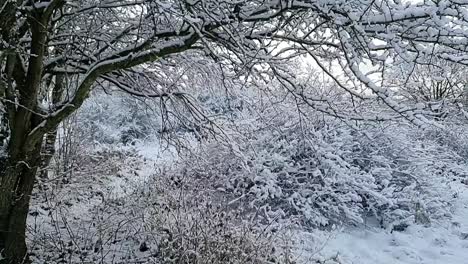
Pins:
x,y
198,230
326,172
307,180
149,218
411,171
117,119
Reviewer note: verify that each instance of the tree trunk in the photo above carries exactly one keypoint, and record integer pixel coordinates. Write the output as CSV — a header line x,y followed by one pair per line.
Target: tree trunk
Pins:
x,y
48,152
17,182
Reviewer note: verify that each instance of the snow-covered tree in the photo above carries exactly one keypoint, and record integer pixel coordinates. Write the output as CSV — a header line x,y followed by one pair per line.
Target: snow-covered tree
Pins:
x,y
54,52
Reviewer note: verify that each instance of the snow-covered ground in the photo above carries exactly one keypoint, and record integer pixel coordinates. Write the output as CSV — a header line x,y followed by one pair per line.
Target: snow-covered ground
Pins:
x,y
440,243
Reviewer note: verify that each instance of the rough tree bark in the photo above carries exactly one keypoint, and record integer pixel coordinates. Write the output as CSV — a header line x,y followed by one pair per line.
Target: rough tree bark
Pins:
x,y
18,175
23,151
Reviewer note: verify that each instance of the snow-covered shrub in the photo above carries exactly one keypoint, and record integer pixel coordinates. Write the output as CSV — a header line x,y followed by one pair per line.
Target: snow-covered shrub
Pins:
x,y
453,136
411,171
203,231
306,176
326,172
149,218
117,119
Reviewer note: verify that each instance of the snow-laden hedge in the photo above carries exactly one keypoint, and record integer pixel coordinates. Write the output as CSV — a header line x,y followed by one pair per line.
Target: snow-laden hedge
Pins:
x,y
331,174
